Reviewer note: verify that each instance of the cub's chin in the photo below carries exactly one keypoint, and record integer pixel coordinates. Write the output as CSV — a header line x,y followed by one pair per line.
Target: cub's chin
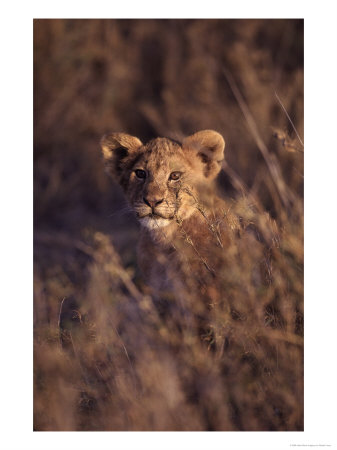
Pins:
x,y
152,223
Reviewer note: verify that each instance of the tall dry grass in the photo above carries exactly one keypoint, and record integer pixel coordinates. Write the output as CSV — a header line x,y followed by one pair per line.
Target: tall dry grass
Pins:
x,y
121,363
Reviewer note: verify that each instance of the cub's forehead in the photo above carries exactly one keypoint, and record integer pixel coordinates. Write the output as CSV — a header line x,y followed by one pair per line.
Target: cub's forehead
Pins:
x,y
162,153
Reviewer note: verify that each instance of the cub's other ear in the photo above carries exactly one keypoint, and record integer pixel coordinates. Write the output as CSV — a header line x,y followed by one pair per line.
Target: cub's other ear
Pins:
x,y
117,148
208,146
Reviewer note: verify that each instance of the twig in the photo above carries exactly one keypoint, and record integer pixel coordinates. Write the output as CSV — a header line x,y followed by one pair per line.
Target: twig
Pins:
x,y
273,166
210,225
189,241
294,128
64,241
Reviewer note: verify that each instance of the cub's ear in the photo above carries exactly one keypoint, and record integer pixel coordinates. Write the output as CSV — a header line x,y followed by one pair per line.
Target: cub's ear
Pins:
x,y
116,148
208,146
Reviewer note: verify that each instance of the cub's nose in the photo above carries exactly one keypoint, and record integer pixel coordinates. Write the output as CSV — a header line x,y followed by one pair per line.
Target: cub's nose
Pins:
x,y
152,201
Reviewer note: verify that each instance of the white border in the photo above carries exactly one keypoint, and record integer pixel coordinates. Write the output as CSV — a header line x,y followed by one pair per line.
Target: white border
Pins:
x,y
320,224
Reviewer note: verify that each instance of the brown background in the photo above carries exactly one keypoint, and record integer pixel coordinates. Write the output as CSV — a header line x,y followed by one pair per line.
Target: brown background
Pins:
x,y
154,78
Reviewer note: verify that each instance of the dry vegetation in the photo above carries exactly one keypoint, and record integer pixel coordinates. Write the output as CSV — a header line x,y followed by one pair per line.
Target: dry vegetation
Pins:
x,y
124,365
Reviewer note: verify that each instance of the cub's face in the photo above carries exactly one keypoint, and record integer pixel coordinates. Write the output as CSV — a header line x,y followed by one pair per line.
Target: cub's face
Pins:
x,y
160,178
160,187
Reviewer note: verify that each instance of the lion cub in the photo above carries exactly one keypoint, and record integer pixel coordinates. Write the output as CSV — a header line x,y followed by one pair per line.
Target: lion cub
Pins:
x,y
184,225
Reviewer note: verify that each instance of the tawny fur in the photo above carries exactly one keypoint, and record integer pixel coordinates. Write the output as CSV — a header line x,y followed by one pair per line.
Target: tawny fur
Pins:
x,y
183,222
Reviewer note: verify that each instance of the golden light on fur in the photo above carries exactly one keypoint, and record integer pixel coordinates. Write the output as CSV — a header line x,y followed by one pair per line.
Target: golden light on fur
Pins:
x,y
209,146
183,221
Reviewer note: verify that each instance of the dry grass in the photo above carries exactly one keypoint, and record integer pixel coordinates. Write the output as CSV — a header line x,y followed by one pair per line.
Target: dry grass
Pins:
x,y
124,364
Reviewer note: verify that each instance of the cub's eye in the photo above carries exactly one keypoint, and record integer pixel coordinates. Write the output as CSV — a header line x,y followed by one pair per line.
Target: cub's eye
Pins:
x,y
175,176
140,173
